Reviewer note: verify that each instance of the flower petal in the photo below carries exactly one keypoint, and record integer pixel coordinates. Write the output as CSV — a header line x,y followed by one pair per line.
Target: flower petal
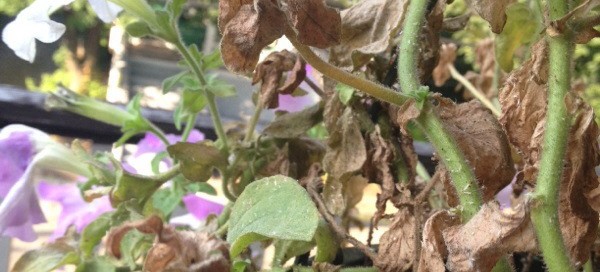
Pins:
x,y
201,207
21,43
47,31
106,11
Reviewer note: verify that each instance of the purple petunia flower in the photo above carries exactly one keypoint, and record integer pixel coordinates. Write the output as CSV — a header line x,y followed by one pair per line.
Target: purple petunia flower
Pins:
x,y
75,210
23,150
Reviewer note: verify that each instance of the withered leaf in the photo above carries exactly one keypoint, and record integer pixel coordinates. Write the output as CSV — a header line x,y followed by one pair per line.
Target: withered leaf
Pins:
x,y
316,24
493,11
485,61
174,250
368,29
346,152
246,33
228,9
433,247
270,72
487,237
447,56
197,159
483,142
292,125
523,100
397,245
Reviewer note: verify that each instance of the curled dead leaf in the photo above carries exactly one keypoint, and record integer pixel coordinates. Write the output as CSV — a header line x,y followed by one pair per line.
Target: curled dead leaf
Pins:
x,y
174,250
397,245
433,247
270,72
315,23
493,11
481,139
368,28
523,100
447,56
247,29
485,61
487,237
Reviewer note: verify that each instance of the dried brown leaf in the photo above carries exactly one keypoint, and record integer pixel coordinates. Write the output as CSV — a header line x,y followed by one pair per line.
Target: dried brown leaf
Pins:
x,y
523,100
397,244
493,11
228,9
402,115
433,247
368,29
483,142
315,23
429,41
270,72
487,237
151,225
247,31
175,250
447,56
292,125
346,151
486,63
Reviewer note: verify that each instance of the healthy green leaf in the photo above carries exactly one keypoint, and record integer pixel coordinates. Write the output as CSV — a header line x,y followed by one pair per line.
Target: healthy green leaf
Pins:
x,y
345,92
212,60
170,82
276,207
47,258
167,199
93,233
135,126
219,87
197,159
134,245
521,28
138,29
200,187
175,7
98,264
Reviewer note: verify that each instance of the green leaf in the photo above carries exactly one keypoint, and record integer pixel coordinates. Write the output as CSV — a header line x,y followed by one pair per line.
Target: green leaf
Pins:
x,y
137,125
240,265
200,187
292,125
170,82
197,159
276,207
98,264
327,243
134,245
138,29
212,60
131,186
155,163
521,28
47,258
196,54
345,92
175,7
219,87
93,233
167,199
193,101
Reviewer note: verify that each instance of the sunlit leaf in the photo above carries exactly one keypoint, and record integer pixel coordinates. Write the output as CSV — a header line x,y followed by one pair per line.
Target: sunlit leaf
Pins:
x,y
275,207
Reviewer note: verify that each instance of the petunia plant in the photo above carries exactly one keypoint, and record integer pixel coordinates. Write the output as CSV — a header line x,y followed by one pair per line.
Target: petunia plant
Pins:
x,y
513,174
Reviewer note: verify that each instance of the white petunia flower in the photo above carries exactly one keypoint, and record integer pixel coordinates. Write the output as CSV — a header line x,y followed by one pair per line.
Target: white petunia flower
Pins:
x,y
34,23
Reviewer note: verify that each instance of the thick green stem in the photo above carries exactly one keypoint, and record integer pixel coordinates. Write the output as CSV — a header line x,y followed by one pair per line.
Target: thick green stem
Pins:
x,y
544,213
460,171
159,133
212,105
409,46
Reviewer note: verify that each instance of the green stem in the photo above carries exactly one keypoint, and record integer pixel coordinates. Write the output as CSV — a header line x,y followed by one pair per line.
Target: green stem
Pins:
x,y
544,213
371,88
452,157
165,176
189,125
253,122
159,133
409,46
212,105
